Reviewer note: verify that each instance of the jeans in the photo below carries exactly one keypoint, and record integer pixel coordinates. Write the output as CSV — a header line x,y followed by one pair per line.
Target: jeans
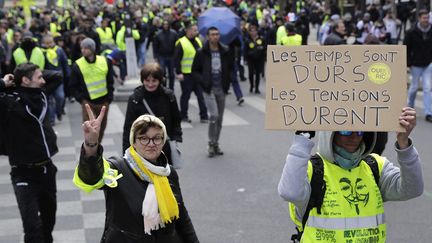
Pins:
x,y
56,101
35,190
215,102
235,83
167,63
425,73
142,53
188,85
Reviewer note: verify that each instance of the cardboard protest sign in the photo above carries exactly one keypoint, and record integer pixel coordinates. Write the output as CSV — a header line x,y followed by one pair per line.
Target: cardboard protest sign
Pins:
x,y
334,88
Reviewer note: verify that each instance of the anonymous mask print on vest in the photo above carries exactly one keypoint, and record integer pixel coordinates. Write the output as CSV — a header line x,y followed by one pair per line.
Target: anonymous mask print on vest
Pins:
x,y
356,193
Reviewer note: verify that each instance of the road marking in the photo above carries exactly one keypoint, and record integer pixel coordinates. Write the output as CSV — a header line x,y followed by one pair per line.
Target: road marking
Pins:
x,y
115,120
256,102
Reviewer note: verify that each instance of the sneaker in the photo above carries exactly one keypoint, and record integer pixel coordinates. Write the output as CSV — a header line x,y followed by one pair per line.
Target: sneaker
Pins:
x,y
240,101
59,117
204,120
211,150
257,91
429,118
186,120
71,99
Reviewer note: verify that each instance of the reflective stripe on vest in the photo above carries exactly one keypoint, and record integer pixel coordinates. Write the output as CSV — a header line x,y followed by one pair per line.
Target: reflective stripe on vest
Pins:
x,y
106,36
37,57
188,53
94,75
353,208
346,223
292,40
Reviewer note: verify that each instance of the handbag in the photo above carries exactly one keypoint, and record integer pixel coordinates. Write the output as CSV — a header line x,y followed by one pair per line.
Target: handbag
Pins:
x,y
176,160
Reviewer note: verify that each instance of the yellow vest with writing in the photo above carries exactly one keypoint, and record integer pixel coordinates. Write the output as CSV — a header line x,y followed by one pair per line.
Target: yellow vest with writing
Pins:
x,y
37,57
292,40
352,209
105,35
188,53
94,75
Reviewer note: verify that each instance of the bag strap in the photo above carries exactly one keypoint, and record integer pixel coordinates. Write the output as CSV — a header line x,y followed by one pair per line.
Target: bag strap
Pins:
x,y
151,112
373,164
318,189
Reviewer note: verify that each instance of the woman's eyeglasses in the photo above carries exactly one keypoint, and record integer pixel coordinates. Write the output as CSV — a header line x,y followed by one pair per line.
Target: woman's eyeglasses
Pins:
x,y
349,133
146,141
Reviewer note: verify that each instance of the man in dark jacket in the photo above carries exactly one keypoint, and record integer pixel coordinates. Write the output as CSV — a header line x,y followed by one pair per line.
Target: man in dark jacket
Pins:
x,y
337,34
419,53
212,67
163,49
31,142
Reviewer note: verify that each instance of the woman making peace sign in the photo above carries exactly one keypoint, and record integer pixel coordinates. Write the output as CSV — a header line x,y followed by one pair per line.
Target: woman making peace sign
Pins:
x,y
142,192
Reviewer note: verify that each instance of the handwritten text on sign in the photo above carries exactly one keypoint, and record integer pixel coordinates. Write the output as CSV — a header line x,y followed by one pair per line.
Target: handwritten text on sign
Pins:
x,y
354,88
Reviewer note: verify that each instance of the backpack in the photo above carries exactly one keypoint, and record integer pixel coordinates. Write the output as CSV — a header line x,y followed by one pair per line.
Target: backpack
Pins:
x,y
318,188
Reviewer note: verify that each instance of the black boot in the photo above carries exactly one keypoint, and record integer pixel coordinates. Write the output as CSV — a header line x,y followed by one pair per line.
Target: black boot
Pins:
x,y
211,150
217,149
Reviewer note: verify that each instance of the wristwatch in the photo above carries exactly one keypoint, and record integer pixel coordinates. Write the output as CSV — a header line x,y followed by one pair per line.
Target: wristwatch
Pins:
x,y
91,145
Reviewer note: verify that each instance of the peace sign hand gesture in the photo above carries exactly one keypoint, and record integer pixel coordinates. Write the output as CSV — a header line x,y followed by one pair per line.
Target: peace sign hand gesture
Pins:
x,y
91,128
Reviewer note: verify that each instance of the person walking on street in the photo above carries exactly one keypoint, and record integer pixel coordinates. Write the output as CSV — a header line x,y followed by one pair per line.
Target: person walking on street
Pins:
x,y
186,48
419,53
255,55
164,46
27,138
92,81
343,187
212,68
144,202
153,98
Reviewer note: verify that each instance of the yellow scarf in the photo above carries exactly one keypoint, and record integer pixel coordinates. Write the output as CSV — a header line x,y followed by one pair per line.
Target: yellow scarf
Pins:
x,y
167,203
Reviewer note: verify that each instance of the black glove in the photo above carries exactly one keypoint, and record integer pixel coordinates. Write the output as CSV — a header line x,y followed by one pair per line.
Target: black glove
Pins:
x,y
311,133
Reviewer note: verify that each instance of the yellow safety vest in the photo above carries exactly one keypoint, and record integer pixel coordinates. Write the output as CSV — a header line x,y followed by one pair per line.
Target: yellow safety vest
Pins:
x,y
281,32
120,38
53,27
188,53
352,210
37,57
52,56
106,36
94,75
9,35
292,40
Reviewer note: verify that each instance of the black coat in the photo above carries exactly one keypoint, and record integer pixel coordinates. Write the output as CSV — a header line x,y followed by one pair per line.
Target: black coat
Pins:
x,y
124,221
334,39
419,47
24,138
201,67
163,103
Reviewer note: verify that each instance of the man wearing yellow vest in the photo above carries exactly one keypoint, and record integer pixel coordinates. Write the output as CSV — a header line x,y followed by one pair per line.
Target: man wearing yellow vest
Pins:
x,y
27,51
347,203
92,81
105,35
184,54
292,38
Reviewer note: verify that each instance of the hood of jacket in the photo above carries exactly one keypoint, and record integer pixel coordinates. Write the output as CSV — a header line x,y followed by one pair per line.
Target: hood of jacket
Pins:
x,y
325,144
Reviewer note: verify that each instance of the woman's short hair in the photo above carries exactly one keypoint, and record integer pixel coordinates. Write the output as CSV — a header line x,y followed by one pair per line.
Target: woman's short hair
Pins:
x,y
152,69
